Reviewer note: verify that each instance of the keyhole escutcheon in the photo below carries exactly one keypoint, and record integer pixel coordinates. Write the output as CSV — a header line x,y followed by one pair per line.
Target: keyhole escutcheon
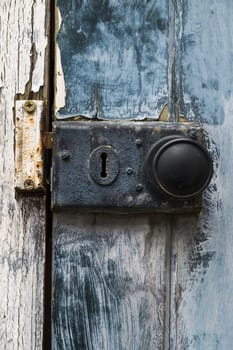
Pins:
x,y
104,165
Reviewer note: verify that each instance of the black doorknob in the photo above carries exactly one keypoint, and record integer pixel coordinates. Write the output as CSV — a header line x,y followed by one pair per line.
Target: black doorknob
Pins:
x,y
179,167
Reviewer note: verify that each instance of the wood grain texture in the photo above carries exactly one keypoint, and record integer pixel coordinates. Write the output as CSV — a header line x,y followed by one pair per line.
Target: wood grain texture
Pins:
x,y
109,282
202,277
205,58
22,57
110,272
114,58
200,46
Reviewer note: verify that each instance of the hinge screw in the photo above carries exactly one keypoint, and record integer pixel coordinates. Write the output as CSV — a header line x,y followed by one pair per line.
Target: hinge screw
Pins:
x,y
29,106
28,184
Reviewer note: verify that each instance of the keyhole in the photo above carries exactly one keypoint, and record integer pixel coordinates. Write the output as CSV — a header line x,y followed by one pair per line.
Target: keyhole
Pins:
x,y
104,157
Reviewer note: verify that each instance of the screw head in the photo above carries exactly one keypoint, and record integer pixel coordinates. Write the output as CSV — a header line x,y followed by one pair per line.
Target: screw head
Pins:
x,y
65,155
28,184
29,106
139,187
138,142
193,134
129,171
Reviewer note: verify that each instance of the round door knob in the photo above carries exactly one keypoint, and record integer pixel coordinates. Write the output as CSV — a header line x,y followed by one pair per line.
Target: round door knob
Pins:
x,y
179,167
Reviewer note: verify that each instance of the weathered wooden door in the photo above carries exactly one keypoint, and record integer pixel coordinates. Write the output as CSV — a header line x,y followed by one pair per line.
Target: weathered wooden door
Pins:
x,y
24,56
144,281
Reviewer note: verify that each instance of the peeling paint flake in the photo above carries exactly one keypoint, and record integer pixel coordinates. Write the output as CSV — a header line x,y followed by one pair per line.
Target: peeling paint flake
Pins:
x,y
40,41
31,56
60,91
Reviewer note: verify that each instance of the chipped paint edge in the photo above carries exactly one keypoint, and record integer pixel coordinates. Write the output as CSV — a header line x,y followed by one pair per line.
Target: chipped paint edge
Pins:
x,y
60,90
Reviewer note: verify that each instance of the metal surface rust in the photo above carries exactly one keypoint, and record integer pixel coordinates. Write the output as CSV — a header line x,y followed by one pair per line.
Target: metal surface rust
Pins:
x,y
48,139
28,145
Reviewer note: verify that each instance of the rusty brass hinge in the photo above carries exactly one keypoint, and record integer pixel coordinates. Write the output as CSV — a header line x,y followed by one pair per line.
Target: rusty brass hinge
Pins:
x,y
28,145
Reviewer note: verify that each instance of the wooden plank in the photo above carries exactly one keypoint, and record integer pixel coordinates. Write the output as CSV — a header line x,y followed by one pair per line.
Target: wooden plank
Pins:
x,y
114,58
110,271
204,35
22,219
202,280
109,281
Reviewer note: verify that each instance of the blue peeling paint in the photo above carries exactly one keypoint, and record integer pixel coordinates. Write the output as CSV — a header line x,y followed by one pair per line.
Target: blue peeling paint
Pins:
x,y
114,58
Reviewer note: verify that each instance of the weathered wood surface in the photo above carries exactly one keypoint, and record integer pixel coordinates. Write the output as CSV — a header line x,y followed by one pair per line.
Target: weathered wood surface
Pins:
x,y
22,239
109,282
202,277
114,58
199,65
110,272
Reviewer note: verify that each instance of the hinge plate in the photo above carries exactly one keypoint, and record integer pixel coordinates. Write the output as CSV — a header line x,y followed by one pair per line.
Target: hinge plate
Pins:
x,y
28,145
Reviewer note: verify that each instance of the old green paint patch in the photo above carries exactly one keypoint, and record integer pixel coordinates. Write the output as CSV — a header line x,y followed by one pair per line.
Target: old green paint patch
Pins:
x,y
114,58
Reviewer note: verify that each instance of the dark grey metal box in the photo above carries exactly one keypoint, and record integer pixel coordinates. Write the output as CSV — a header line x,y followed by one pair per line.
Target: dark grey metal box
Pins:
x,y
100,166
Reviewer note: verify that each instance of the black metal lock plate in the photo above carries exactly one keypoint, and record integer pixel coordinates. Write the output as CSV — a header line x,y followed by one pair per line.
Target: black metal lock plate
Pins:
x,y
101,166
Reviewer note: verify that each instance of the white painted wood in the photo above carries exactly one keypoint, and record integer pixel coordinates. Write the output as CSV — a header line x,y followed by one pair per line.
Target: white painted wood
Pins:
x,y
22,233
202,274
